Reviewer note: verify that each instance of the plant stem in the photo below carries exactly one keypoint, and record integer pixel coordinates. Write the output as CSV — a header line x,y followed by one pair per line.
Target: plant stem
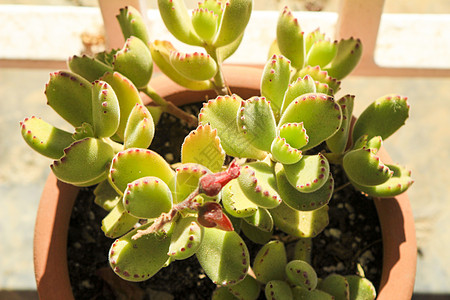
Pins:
x,y
169,107
219,80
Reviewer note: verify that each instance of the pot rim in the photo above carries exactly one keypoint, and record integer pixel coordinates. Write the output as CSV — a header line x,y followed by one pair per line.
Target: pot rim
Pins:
x,y
52,220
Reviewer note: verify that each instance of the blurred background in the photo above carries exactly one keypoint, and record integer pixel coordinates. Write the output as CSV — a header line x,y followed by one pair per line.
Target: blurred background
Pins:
x,y
413,33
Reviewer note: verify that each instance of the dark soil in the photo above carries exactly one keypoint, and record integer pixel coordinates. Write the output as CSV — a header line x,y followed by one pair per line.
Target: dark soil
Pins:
x,y
352,238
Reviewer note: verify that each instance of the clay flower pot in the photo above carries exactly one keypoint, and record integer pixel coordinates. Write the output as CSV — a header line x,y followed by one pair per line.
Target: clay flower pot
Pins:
x,y
50,237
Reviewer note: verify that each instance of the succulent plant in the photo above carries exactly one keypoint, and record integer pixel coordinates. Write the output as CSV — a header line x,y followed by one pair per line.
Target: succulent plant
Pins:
x,y
282,141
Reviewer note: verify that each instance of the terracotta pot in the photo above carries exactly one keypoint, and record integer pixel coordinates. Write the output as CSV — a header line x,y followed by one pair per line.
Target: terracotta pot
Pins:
x,y
50,237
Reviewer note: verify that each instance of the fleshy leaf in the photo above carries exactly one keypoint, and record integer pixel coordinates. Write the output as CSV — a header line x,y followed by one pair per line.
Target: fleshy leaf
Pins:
x,y
140,129
320,114
160,51
255,234
246,289
309,174
360,288
290,38
186,238
147,197
187,177
106,196
138,260
177,20
338,141
270,262
283,153
118,222
127,95
335,285
258,183
295,134
302,293
222,293
234,19
84,131
300,223
302,250
397,184
301,274
45,138
300,87
364,168
382,118
88,67
224,256
261,219
205,23
275,80
321,53
347,57
228,50
195,66
202,146
278,289
135,163
71,168
132,24
134,61
105,110
321,76
70,96
221,113
235,202
258,122
304,201
313,37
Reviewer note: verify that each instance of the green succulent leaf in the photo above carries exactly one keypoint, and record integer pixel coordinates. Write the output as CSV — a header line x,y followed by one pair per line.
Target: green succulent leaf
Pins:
x,y
127,95
321,76
71,168
275,80
147,197
221,113
105,110
45,138
278,289
226,51
360,288
140,129
247,289
106,196
132,24
84,131
88,67
300,273
304,224
187,177
205,23
255,234
186,238
118,222
177,20
335,285
295,134
320,114
302,249
321,53
365,168
134,61
258,122
270,262
138,260
257,181
135,163
300,87
348,54
312,37
160,51
194,66
202,146
301,293
382,118
222,293
69,95
309,174
304,201
235,202
397,184
234,19
283,153
261,219
224,256
290,38
338,142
